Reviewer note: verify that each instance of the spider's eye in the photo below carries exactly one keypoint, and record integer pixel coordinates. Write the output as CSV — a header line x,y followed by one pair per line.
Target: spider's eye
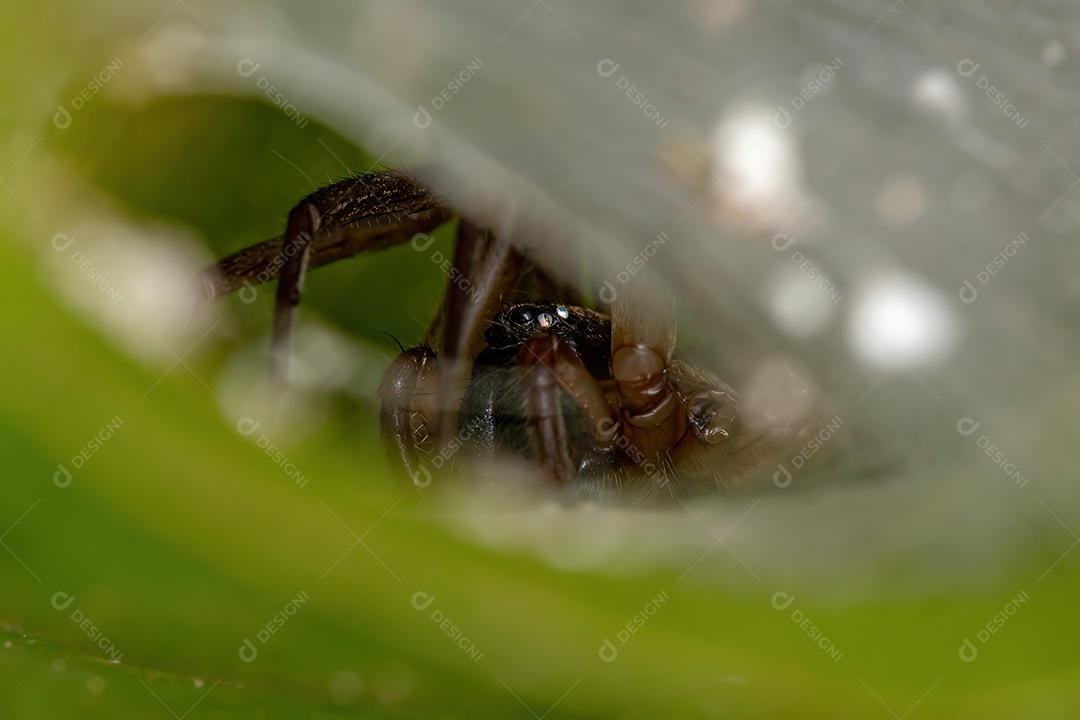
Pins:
x,y
521,316
712,415
562,312
545,320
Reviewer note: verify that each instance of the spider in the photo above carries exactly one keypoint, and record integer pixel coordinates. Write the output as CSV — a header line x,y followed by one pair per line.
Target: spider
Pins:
x,y
595,402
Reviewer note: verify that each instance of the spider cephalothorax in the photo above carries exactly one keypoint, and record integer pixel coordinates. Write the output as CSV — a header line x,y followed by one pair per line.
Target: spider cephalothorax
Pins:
x,y
587,332
591,401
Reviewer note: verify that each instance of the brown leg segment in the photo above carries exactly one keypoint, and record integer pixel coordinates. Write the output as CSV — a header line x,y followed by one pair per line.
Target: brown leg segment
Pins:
x,y
423,387
304,221
485,269
261,263
551,366
642,347
367,212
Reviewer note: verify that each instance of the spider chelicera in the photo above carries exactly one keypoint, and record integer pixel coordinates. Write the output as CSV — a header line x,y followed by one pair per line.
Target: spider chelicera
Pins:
x,y
595,403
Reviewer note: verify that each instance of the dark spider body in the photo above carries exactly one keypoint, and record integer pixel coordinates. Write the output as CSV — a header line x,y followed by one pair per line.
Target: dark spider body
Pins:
x,y
587,332
593,402
491,420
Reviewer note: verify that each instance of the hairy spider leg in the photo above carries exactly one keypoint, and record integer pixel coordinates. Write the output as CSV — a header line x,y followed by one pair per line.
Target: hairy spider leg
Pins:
x,y
551,365
339,211
682,418
642,347
373,212
486,267
263,261
421,391
522,408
